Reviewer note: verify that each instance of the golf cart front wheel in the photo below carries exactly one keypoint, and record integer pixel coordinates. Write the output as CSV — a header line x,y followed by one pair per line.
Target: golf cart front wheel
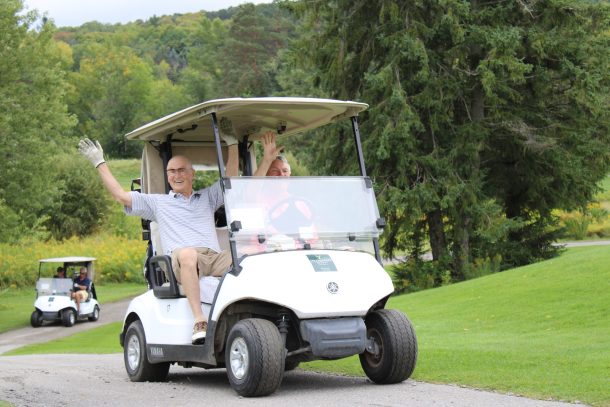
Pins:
x,y
96,314
254,357
391,351
68,317
139,369
36,318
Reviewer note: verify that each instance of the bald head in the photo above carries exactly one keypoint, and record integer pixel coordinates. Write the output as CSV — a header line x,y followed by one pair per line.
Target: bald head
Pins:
x,y
180,174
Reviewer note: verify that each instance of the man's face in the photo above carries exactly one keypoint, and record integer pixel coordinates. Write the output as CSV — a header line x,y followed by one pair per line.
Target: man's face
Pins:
x,y
278,168
180,175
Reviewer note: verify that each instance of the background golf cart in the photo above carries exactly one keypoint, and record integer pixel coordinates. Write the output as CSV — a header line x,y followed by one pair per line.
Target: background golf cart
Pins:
x,y
53,302
299,298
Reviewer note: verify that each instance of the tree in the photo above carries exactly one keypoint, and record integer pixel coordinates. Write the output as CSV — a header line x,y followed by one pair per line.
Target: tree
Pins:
x,y
484,116
249,53
34,122
112,96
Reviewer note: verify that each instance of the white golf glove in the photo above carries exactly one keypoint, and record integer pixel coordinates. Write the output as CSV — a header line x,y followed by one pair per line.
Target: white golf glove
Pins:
x,y
92,151
227,132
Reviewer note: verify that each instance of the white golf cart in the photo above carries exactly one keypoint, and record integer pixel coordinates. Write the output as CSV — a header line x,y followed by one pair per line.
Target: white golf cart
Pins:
x,y
53,301
306,281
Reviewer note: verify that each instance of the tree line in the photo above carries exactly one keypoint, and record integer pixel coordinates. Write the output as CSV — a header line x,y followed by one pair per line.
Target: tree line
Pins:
x,y
485,117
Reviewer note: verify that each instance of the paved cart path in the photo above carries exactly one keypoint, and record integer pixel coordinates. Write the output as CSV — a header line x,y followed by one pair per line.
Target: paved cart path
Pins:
x,y
42,380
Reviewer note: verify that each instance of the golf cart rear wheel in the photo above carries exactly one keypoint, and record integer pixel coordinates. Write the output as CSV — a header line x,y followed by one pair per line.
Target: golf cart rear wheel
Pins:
x,y
68,317
36,318
96,314
254,357
391,354
139,369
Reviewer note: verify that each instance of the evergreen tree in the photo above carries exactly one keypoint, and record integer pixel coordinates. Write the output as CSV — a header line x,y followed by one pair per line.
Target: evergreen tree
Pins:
x,y
485,116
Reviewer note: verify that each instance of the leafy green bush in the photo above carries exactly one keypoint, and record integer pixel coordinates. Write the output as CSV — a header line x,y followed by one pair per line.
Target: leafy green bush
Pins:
x,y
80,204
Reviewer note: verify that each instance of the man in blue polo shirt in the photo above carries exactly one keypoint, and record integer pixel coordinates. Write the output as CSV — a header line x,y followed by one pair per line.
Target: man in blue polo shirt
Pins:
x,y
185,218
81,285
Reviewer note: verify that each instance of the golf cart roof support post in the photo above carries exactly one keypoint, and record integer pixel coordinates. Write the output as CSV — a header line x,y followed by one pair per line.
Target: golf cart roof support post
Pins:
x,y
166,155
358,145
236,268
377,251
221,167
243,152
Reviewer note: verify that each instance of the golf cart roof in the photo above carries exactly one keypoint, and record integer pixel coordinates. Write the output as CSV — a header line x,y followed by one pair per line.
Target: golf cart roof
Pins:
x,y
250,117
74,259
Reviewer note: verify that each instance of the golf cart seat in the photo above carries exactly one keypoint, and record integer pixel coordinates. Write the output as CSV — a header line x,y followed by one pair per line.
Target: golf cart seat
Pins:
x,y
166,286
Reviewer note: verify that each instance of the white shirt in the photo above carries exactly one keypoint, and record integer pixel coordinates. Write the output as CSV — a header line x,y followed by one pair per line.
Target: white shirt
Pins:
x,y
183,222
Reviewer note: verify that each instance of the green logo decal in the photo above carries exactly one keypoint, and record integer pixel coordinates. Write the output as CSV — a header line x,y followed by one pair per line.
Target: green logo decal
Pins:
x,y
321,262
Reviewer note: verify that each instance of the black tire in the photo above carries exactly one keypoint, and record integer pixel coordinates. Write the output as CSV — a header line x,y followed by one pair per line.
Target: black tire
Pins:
x,y
254,357
393,356
291,364
68,317
139,369
96,314
36,318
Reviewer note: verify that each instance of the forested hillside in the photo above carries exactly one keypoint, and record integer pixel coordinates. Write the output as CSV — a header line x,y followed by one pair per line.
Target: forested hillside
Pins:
x,y
484,120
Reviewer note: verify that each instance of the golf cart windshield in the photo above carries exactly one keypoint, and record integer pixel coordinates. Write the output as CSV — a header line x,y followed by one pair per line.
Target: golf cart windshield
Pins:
x,y
291,213
53,286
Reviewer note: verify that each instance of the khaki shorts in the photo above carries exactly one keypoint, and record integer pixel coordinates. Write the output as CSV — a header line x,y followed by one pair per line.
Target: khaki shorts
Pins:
x,y
209,263
82,295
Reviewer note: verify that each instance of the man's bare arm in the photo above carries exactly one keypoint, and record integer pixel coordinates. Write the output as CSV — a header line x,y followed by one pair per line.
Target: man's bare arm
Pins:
x,y
94,153
113,186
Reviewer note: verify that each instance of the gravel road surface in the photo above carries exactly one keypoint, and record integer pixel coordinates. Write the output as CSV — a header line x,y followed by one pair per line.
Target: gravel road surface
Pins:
x,y
100,380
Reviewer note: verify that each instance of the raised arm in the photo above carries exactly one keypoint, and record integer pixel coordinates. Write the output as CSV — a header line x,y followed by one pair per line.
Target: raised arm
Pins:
x,y
232,165
94,153
270,152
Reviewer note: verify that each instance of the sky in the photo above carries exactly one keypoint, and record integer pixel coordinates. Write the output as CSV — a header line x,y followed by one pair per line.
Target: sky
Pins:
x,y
77,12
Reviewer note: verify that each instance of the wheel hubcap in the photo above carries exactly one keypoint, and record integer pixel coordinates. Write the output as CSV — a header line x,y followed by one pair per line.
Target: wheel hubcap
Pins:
x,y
239,358
133,353
373,357
72,318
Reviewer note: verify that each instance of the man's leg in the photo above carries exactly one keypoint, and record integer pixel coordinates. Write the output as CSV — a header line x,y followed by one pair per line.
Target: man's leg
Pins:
x,y
187,258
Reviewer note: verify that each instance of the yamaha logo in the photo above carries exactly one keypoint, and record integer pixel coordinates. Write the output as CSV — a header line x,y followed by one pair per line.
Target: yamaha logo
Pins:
x,y
332,287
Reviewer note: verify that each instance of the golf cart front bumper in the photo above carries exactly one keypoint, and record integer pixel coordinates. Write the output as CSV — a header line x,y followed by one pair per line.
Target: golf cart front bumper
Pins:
x,y
334,337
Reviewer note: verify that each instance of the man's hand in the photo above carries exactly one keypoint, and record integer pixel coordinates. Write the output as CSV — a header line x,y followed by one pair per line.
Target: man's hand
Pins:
x,y
271,151
227,132
92,152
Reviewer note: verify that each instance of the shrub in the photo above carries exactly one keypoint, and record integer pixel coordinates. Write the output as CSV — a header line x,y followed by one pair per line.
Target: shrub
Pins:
x,y
80,204
118,259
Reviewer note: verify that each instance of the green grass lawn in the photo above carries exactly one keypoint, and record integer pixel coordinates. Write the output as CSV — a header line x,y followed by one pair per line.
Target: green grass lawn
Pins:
x,y
541,331
16,306
100,340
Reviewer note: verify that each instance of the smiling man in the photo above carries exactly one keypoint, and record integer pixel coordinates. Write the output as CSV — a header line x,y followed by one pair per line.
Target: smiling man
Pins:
x,y
185,218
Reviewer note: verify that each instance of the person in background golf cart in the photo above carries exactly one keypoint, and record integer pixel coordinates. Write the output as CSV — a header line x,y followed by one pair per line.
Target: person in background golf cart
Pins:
x,y
61,272
273,164
81,287
185,217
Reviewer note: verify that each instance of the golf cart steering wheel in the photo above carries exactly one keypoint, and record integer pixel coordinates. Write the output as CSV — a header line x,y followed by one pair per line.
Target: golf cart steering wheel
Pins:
x,y
291,213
